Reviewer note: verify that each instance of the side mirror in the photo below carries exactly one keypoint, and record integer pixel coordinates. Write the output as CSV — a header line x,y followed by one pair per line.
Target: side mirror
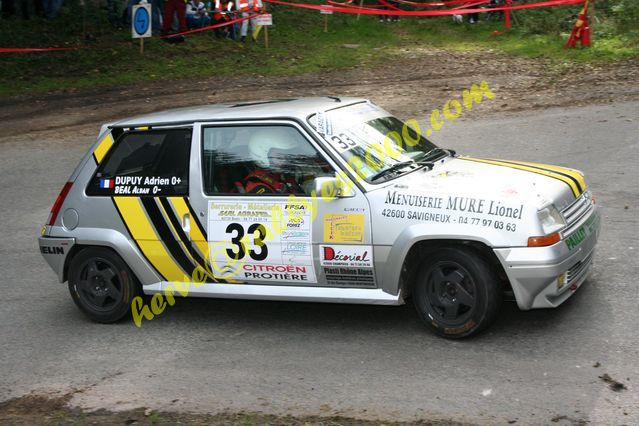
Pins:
x,y
333,187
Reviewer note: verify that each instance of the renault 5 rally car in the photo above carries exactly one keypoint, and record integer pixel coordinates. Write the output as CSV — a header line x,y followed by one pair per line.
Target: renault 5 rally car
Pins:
x,y
317,200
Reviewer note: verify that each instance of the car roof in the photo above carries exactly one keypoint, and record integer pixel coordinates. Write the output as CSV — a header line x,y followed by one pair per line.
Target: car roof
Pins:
x,y
278,108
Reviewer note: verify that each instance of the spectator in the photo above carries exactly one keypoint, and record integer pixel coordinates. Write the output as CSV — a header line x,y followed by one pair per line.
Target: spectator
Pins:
x,y
196,16
395,18
384,18
222,13
390,5
496,15
171,7
245,6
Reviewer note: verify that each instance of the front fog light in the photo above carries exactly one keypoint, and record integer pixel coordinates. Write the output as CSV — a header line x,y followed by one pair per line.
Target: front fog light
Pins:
x,y
551,220
561,281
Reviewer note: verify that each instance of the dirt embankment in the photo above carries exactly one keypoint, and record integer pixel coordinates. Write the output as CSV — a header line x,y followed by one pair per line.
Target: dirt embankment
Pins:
x,y
410,85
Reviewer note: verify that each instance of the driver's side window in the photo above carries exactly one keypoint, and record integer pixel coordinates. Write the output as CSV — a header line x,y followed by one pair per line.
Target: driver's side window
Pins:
x,y
260,160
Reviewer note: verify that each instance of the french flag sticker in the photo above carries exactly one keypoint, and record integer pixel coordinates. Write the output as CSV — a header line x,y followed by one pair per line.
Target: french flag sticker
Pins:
x,y
106,183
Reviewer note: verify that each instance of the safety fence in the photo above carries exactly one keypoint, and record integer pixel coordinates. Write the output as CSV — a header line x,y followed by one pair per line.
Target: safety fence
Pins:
x,y
381,7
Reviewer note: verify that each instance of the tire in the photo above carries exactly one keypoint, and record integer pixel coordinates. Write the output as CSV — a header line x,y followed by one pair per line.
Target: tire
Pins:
x,y
102,285
456,292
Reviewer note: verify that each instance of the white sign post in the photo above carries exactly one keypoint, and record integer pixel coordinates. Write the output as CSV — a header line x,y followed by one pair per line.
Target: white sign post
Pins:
x,y
265,20
326,13
141,22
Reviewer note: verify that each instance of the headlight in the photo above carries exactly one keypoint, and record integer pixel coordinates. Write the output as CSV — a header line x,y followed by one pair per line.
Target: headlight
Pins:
x,y
551,220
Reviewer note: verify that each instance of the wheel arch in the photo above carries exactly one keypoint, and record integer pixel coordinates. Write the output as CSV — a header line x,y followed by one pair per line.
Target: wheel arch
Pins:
x,y
78,248
421,248
115,241
414,241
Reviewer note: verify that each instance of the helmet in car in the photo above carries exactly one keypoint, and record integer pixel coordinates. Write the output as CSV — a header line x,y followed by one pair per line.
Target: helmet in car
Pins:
x,y
268,146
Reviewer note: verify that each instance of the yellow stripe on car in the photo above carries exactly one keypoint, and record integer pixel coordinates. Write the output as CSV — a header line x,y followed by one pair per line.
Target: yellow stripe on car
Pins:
x,y
197,237
175,234
182,209
144,234
103,147
565,170
544,172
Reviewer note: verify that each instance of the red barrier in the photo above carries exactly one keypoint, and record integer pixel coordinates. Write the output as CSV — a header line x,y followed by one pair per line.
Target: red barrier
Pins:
x,y
415,3
348,7
441,12
349,4
388,5
210,27
475,3
35,49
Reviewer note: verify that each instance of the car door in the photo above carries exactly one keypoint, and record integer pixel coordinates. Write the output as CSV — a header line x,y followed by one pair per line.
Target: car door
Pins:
x,y
266,217
146,174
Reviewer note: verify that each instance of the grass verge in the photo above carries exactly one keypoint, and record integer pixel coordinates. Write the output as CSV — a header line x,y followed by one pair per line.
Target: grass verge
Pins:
x,y
298,44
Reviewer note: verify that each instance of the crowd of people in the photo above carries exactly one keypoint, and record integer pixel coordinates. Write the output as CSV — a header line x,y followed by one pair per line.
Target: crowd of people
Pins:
x,y
171,18
167,16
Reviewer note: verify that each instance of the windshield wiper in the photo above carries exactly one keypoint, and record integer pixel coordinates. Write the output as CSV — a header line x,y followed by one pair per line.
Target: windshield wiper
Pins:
x,y
428,164
432,154
395,167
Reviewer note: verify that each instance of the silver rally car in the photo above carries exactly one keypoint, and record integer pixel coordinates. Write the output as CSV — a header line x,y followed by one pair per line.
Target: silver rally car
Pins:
x,y
319,200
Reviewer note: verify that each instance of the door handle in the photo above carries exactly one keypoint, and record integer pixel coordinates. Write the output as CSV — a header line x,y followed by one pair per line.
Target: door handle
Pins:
x,y
186,225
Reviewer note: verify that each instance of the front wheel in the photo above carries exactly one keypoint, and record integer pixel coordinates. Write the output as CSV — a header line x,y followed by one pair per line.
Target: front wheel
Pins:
x,y
102,285
456,292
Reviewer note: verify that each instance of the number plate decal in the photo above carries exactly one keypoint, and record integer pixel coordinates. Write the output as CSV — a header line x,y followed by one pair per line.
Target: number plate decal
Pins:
x,y
261,240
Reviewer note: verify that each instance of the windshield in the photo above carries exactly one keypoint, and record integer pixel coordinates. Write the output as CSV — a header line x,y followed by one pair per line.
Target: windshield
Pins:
x,y
375,144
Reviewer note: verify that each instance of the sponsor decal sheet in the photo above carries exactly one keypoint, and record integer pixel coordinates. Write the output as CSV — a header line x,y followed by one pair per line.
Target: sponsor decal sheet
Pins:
x,y
261,240
348,265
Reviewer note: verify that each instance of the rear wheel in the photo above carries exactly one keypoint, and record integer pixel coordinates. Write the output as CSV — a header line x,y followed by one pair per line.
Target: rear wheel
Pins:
x,y
102,285
456,292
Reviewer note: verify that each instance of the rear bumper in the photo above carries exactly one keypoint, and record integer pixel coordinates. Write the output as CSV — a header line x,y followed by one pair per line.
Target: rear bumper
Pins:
x,y
55,252
544,277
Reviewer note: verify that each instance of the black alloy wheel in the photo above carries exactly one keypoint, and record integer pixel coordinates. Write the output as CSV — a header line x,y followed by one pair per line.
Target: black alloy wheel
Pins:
x,y
456,292
102,285
451,292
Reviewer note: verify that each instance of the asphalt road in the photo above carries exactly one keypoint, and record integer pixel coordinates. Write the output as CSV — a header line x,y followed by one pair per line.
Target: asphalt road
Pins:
x,y
357,361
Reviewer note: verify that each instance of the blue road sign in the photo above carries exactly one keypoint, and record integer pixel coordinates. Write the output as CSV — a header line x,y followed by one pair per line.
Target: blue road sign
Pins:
x,y
141,21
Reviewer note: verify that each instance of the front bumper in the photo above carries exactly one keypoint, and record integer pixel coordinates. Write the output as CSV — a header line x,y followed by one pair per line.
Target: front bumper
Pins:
x,y
544,277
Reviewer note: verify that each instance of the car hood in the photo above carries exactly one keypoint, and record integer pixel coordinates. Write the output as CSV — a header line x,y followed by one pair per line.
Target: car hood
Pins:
x,y
532,184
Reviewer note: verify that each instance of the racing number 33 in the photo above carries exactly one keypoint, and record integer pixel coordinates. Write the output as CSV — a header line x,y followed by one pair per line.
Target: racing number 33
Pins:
x,y
343,141
258,241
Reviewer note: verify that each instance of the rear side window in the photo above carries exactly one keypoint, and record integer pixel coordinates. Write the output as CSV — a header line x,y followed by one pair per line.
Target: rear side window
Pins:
x,y
150,163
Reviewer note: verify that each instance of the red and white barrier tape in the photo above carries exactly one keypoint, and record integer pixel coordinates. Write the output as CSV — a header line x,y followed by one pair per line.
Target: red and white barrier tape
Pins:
x,y
35,49
210,27
348,7
439,12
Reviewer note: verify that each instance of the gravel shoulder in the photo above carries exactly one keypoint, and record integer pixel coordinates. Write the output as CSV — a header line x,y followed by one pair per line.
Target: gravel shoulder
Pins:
x,y
414,82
